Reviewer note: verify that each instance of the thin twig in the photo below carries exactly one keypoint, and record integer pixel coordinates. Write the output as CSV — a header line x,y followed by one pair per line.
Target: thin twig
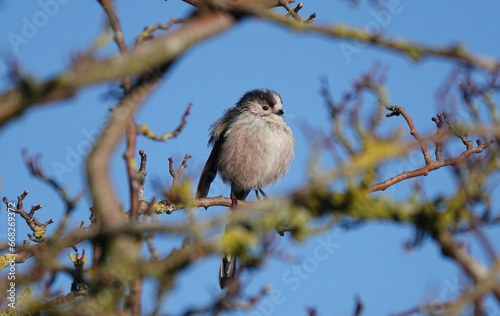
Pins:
x,y
118,37
146,131
415,51
175,175
36,227
291,12
35,169
431,307
438,137
163,50
430,164
105,203
487,246
397,110
433,165
478,272
130,163
147,33
358,309
141,175
480,289
34,166
296,10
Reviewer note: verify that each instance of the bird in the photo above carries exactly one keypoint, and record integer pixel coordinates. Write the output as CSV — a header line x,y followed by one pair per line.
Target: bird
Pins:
x,y
252,147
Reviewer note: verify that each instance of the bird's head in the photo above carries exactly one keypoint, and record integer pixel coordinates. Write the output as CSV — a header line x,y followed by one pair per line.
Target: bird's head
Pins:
x,y
262,102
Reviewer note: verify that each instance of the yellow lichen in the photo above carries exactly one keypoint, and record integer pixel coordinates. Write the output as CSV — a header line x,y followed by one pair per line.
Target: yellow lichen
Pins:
x,y
40,232
237,239
77,260
6,260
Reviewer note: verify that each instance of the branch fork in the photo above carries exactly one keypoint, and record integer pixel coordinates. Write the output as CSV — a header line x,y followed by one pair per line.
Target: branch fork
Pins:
x,y
430,164
36,227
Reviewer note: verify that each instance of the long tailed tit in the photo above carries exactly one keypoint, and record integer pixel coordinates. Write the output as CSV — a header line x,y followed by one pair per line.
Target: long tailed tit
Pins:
x,y
252,147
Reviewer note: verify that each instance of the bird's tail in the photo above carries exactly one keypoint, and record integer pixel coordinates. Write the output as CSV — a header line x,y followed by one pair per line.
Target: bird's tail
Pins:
x,y
227,271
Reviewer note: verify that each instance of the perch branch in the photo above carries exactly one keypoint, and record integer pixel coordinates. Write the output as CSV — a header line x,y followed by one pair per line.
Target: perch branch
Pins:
x,y
167,207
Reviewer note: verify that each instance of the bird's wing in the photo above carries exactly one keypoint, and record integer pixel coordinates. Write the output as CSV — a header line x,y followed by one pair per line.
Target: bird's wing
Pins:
x,y
209,171
218,135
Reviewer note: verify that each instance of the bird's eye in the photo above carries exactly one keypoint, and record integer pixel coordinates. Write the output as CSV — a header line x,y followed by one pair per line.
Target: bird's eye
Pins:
x,y
265,108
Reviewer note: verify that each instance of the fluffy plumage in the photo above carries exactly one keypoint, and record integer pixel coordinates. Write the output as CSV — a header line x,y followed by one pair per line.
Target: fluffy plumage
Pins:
x,y
252,147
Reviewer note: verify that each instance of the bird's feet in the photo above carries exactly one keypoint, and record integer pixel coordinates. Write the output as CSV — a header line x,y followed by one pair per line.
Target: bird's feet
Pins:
x,y
261,192
234,200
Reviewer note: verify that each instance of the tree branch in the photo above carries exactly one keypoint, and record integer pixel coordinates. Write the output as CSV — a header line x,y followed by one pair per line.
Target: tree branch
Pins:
x,y
430,164
397,110
147,33
413,50
165,49
36,227
471,266
146,131
118,37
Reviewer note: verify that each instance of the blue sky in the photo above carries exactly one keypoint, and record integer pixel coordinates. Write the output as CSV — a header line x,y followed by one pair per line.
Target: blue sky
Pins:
x,y
369,261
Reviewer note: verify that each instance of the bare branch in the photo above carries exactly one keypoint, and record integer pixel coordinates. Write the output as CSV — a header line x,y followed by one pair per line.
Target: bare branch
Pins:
x,y
296,10
430,164
397,110
105,204
144,129
115,24
425,308
438,137
135,182
146,57
147,33
35,169
472,267
413,50
36,227
480,289
175,175
358,310
168,207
